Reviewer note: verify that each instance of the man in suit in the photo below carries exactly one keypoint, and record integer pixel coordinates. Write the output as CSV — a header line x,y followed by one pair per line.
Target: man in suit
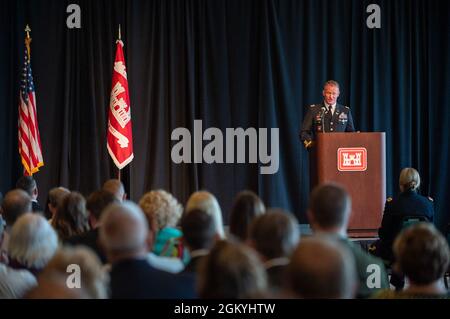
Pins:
x,y
124,233
328,214
326,117
28,184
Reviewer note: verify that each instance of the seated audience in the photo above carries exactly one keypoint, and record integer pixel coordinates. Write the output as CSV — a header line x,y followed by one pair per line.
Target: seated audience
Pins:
x,y
199,235
29,185
95,205
321,268
16,203
274,236
54,200
124,235
422,254
328,214
115,187
71,219
32,243
408,203
246,207
93,281
164,212
207,202
230,271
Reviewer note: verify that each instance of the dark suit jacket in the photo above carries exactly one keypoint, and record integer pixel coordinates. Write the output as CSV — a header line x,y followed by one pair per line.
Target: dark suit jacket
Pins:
x,y
408,203
317,120
136,279
36,207
91,240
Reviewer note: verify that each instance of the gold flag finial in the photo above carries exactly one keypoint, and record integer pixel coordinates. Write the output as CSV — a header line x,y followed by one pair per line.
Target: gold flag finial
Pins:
x,y
28,40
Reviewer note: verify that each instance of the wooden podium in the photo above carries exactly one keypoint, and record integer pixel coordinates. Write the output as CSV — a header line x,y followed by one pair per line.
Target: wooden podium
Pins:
x,y
358,162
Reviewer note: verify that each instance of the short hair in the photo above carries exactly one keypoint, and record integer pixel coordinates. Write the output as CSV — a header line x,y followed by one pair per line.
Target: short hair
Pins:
x,y
207,202
98,200
71,217
124,228
409,179
55,198
331,83
330,204
162,206
33,241
27,183
247,205
231,270
93,277
275,234
422,253
114,186
16,203
321,268
198,229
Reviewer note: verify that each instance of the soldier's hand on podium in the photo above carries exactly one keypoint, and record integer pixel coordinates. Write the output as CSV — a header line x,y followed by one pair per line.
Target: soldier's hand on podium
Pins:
x,y
307,144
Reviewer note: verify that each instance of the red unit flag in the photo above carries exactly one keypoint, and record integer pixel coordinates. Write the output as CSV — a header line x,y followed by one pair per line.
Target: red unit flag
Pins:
x,y
120,137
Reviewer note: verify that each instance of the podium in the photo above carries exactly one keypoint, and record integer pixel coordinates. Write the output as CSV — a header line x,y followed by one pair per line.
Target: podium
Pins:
x,y
358,162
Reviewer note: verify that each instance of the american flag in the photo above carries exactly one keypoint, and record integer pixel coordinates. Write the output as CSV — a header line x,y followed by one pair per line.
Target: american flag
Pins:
x,y
30,149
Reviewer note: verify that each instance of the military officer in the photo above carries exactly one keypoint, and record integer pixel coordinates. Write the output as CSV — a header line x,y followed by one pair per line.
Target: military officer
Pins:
x,y
328,116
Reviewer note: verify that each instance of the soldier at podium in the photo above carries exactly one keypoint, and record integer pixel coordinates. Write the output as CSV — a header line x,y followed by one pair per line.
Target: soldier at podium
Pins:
x,y
328,116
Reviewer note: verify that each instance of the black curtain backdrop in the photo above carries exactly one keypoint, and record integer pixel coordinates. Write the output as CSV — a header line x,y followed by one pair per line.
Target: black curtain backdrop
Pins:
x,y
230,63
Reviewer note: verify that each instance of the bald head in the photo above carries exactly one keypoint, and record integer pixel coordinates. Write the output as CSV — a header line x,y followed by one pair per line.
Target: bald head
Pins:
x,y
124,230
16,203
115,187
321,268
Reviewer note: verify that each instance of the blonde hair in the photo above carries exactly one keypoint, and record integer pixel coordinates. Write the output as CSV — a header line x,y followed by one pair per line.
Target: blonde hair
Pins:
x,y
208,203
33,241
94,280
163,207
409,179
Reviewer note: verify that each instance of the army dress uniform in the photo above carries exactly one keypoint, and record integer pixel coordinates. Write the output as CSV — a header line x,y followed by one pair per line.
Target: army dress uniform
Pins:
x,y
320,119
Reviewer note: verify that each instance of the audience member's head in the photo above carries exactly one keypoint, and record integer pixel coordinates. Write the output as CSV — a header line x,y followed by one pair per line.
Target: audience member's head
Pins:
x,y
246,207
16,203
53,285
409,179
124,231
71,219
321,268
28,184
96,204
231,270
55,198
422,254
198,229
274,234
162,208
329,208
207,202
33,241
93,280
115,187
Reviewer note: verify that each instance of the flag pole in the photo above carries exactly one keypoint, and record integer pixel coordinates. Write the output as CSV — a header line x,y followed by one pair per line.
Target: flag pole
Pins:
x,y
119,171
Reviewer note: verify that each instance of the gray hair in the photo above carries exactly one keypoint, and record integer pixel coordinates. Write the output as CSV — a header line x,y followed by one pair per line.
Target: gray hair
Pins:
x,y
33,241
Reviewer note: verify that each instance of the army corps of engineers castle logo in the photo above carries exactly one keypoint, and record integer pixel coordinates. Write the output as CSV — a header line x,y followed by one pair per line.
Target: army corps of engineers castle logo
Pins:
x,y
352,159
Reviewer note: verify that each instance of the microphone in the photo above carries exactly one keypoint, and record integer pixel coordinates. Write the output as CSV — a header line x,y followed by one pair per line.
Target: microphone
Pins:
x,y
323,110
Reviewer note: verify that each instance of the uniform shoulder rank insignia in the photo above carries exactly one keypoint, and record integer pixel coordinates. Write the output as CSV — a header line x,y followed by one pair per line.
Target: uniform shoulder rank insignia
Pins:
x,y
389,199
431,199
